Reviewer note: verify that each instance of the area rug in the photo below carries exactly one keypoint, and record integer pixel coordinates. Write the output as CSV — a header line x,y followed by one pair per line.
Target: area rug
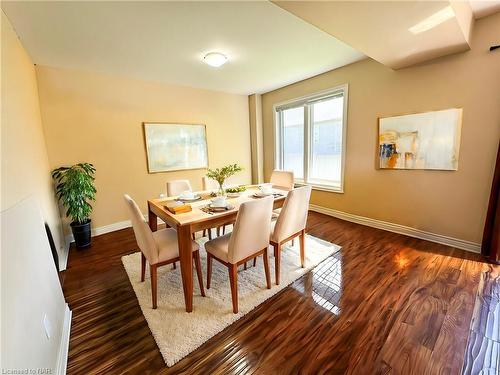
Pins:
x,y
178,333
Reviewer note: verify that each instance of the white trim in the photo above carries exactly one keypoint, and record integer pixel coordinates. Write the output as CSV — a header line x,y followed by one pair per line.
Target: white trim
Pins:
x,y
62,358
63,260
401,229
108,228
305,101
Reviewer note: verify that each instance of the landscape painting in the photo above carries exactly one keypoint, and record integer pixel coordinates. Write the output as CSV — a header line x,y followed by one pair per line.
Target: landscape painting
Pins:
x,y
173,147
429,140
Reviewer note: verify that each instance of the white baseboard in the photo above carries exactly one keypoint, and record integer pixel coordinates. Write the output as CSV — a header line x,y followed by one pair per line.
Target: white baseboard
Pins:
x,y
401,229
62,358
107,229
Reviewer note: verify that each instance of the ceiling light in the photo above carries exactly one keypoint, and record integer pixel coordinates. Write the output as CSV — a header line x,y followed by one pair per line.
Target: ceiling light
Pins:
x,y
215,59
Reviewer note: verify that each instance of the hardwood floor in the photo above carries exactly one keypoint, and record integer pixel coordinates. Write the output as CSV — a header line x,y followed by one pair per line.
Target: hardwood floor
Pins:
x,y
385,304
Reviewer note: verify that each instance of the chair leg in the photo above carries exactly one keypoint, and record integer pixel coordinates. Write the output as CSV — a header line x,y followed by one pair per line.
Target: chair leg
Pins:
x,y
302,248
210,233
209,269
174,266
293,241
154,283
233,280
143,267
218,231
254,261
193,236
266,269
245,266
204,232
223,230
197,264
277,262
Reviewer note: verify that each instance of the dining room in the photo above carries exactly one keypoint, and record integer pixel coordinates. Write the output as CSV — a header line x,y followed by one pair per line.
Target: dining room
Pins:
x,y
238,187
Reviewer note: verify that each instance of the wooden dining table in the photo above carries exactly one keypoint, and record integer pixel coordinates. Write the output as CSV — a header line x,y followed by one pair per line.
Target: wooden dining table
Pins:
x,y
197,220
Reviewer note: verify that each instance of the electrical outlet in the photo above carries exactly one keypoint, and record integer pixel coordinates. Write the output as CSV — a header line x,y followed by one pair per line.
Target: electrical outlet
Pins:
x,y
47,326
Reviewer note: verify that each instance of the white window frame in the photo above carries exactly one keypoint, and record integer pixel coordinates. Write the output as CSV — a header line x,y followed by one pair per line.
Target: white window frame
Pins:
x,y
306,102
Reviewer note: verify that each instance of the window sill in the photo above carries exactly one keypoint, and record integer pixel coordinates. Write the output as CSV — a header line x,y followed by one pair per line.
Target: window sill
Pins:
x,y
330,189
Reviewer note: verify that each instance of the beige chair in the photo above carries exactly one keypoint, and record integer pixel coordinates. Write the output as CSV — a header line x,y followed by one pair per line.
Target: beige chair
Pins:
x,y
248,240
158,248
176,187
282,180
290,223
209,184
212,185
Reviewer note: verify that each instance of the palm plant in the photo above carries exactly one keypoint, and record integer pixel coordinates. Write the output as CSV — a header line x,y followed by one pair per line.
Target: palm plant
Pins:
x,y
221,174
75,188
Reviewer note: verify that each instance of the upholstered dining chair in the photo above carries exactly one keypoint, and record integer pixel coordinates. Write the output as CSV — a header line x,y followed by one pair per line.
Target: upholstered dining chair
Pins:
x,y
249,239
158,248
282,180
176,187
290,223
211,184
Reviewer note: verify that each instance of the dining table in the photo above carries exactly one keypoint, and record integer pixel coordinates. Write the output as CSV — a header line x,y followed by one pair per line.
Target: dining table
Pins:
x,y
198,219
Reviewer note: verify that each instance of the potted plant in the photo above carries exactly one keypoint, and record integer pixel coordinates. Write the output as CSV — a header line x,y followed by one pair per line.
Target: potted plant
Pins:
x,y
74,189
222,174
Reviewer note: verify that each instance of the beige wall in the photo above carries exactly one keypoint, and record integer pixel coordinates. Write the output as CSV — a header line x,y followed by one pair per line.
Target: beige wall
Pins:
x,y
25,165
98,119
448,203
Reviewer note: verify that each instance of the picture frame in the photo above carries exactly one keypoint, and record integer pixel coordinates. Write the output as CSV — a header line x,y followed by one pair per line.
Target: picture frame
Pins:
x,y
175,146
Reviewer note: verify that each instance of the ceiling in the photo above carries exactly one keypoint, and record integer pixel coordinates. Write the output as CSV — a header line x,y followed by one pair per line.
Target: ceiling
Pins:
x,y
398,33
484,8
267,46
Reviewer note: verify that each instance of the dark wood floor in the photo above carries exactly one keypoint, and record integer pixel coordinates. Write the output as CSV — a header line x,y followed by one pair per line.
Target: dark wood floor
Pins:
x,y
385,304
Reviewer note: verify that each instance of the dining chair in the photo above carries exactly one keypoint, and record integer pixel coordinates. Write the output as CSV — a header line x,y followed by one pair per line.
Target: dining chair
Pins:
x,y
249,239
176,187
158,248
290,223
283,180
210,184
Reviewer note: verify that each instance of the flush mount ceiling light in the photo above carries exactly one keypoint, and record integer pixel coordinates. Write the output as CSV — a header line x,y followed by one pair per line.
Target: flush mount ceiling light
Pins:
x,y
215,59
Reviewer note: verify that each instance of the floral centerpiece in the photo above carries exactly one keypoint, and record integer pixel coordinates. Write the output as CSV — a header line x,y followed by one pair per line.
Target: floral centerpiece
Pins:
x,y
222,174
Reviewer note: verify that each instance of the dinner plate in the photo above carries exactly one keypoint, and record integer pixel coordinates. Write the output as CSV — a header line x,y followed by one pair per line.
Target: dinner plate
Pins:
x,y
196,198
261,195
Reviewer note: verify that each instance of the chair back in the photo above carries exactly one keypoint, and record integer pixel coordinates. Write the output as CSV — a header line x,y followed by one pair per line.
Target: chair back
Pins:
x,y
209,184
176,187
293,216
143,234
251,230
282,180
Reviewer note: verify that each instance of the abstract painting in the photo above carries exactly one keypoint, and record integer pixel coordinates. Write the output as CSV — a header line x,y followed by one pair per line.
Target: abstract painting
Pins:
x,y
173,147
429,140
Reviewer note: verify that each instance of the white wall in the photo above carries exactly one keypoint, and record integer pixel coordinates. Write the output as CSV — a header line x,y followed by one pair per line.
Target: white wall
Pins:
x,y
30,291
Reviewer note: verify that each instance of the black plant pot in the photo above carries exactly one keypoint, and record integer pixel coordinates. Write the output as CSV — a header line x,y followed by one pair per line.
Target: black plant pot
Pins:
x,y
82,234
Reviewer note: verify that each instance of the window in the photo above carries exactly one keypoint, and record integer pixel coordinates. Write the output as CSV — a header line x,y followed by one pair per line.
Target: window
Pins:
x,y
310,138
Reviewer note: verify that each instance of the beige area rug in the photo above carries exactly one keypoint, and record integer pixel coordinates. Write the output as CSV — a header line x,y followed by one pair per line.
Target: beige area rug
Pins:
x,y
178,333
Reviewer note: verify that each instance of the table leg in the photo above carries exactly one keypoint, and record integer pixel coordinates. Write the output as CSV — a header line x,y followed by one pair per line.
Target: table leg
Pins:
x,y
153,220
186,261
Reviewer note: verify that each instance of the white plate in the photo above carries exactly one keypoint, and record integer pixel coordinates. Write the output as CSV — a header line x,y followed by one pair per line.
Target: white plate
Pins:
x,y
195,198
261,194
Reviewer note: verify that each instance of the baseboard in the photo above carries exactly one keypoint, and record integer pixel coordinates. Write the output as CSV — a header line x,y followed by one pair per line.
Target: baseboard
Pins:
x,y
107,229
62,358
401,229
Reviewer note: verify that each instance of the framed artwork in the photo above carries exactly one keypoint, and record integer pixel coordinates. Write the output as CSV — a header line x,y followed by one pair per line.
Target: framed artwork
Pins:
x,y
174,147
429,140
